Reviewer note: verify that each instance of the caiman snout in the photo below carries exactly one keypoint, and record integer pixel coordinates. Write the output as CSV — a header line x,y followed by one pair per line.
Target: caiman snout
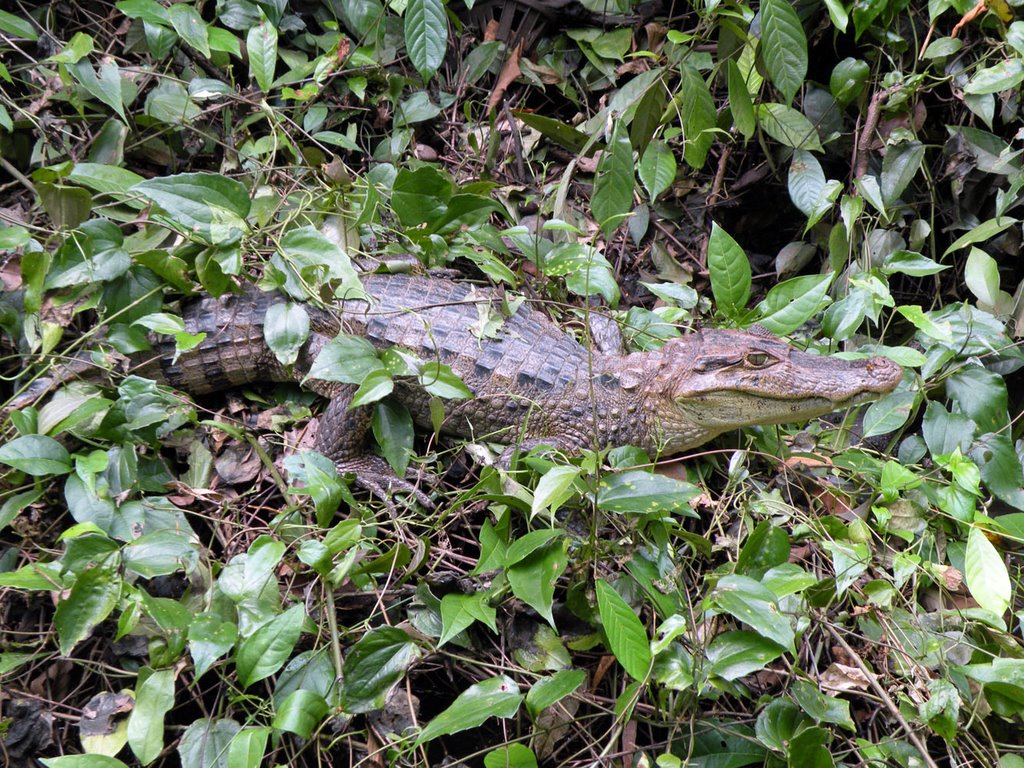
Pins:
x,y
883,374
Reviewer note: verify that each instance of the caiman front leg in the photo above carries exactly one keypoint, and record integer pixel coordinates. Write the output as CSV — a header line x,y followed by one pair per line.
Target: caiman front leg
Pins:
x,y
341,435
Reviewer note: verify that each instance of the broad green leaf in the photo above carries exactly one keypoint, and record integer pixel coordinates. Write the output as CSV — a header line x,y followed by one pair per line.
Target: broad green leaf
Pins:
x,y
986,574
106,179
261,45
889,413
374,664
740,104
190,26
420,196
981,395
496,697
641,492
911,263
792,303
300,713
940,330
18,27
346,359
899,167
751,603
823,707
739,653
783,47
67,206
627,637
36,455
787,126
268,648
170,103
848,80
806,181
511,756
103,84
533,578
559,132
248,748
209,638
207,743
199,203
394,433
153,699
426,35
730,273
613,184
286,329
91,600
699,115
1000,468
979,234
657,168
553,490
439,380
82,761
549,690
148,10
376,386
522,547
849,561
460,611
1004,76
981,274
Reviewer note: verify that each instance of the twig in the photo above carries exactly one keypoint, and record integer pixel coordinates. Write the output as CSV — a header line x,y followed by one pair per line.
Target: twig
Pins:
x,y
863,144
886,699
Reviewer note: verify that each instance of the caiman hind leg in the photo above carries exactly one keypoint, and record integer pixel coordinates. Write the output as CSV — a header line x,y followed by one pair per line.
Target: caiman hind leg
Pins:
x,y
341,435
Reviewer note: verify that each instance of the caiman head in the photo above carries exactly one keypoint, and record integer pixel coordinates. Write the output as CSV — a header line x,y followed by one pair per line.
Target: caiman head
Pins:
x,y
706,383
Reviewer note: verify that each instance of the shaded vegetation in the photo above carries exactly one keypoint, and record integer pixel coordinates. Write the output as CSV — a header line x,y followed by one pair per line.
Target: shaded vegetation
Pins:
x,y
183,583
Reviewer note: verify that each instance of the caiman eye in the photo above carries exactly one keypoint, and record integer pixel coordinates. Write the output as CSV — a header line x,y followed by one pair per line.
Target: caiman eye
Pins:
x,y
759,359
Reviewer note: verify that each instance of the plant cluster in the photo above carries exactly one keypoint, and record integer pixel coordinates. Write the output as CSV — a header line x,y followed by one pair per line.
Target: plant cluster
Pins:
x,y
181,583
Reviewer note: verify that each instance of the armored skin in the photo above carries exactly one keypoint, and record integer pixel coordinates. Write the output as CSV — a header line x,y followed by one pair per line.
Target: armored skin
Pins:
x,y
531,382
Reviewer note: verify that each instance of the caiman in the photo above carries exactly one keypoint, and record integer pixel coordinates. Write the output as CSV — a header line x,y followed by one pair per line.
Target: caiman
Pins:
x,y
532,383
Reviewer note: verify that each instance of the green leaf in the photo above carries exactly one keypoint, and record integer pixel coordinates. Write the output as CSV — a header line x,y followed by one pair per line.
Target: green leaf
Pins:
x,y
460,611
206,743
981,395
82,761
496,697
261,45
939,330
549,690
1000,468
190,26
981,274
559,132
346,359
641,492
106,179
740,104
627,637
439,380
553,490
899,167
374,664
751,603
286,329
511,756
889,413
203,204
911,263
533,578
739,653
1004,76
848,80
783,46
729,270
657,168
613,185
153,699
986,574
376,386
979,234
300,713
426,35
36,455
806,181
248,748
67,206
793,302
787,126
103,84
698,114
91,600
420,196
18,27
268,648
394,433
